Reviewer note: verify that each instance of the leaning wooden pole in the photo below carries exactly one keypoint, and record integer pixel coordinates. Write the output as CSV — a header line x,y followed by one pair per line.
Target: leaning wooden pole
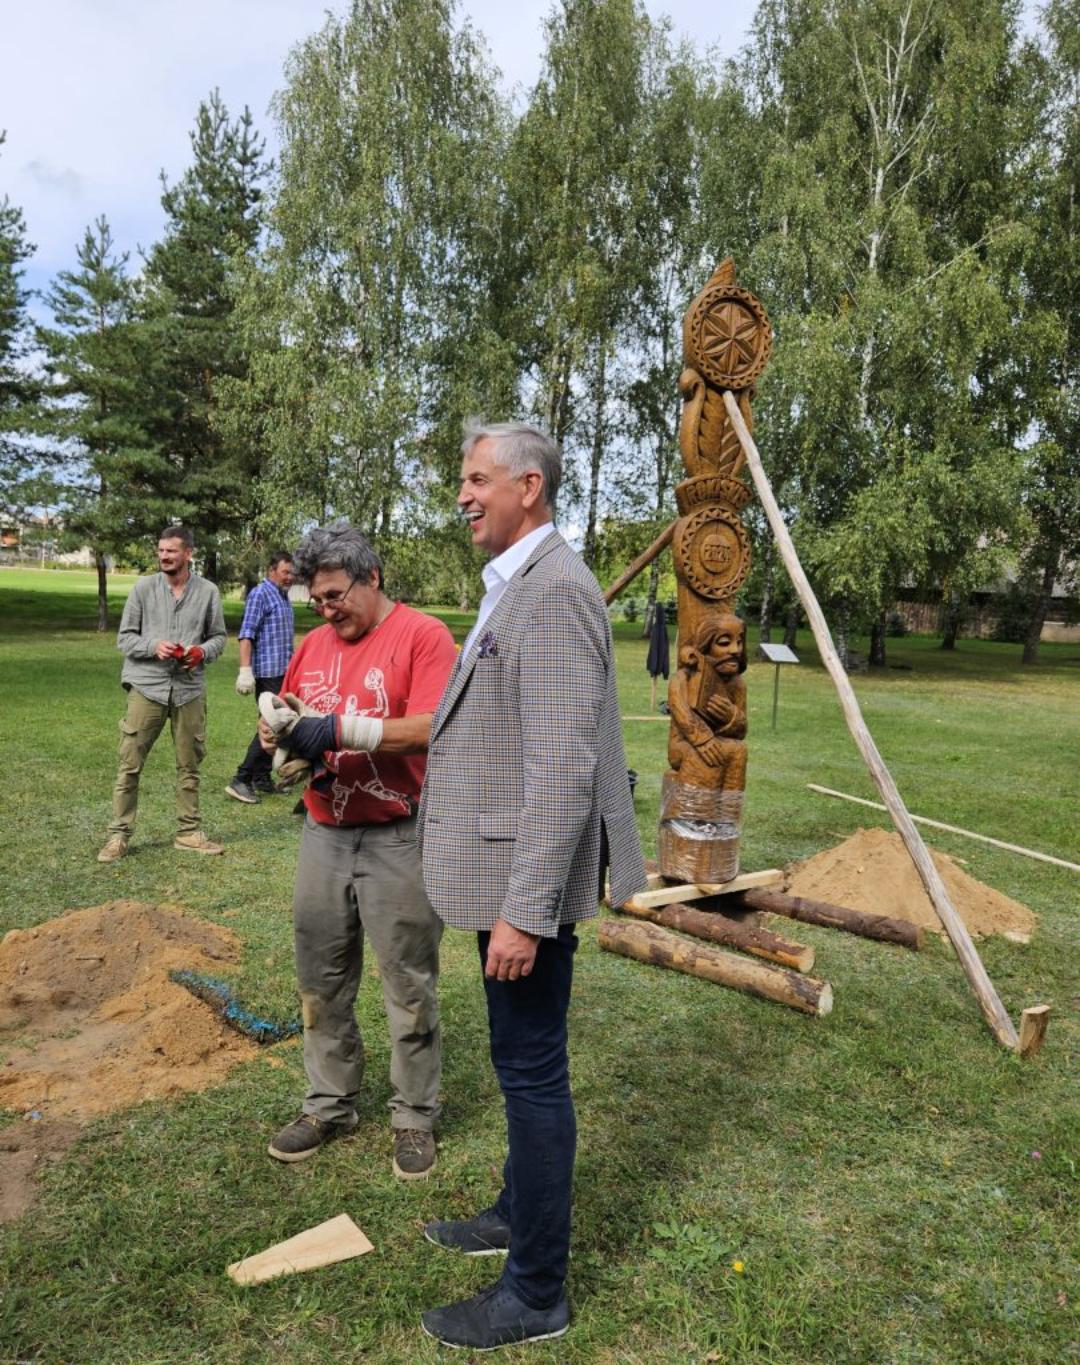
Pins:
x,y
662,541
993,1010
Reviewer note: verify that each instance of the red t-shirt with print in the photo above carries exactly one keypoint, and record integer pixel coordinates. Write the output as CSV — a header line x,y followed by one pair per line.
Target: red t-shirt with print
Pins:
x,y
398,669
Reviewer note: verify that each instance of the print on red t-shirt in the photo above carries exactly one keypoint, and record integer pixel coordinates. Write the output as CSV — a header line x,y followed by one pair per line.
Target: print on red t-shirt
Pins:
x,y
398,669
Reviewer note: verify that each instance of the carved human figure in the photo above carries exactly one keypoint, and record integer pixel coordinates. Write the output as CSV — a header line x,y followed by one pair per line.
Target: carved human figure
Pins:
x,y
707,700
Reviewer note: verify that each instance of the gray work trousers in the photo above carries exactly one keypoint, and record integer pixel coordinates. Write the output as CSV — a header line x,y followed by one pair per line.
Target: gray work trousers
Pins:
x,y
352,882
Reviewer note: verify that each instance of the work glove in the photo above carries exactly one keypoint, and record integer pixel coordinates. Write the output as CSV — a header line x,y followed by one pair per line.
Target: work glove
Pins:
x,y
281,715
245,682
192,658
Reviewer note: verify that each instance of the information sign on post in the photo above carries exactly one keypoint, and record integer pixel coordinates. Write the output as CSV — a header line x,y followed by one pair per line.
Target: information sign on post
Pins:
x,y
777,654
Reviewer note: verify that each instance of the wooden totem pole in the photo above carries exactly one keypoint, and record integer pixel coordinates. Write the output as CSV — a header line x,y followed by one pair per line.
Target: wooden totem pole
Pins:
x,y
726,344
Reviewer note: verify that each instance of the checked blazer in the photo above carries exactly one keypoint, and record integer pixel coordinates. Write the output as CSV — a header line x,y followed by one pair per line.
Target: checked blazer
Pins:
x,y
526,770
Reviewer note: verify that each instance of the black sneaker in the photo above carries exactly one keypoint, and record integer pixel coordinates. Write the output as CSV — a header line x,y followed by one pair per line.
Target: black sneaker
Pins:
x,y
485,1234
242,791
305,1135
264,787
495,1317
414,1153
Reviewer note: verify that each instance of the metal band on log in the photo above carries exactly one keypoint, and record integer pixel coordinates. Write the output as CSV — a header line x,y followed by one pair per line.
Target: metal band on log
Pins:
x,y
653,944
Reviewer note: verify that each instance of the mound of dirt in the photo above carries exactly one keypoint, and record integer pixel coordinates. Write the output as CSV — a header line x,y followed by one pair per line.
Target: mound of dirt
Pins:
x,y
89,1020
872,871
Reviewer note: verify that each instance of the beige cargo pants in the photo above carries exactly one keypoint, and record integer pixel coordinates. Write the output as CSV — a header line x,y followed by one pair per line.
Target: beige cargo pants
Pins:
x,y
143,721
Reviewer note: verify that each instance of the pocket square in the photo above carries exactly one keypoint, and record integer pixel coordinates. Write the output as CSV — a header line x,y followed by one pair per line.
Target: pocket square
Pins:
x,y
487,647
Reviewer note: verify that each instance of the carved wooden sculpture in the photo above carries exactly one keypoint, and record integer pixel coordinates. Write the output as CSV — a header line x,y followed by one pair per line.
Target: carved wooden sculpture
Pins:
x,y
726,344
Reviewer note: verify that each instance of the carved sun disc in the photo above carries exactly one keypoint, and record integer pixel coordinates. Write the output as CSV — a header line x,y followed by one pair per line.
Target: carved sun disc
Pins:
x,y
730,337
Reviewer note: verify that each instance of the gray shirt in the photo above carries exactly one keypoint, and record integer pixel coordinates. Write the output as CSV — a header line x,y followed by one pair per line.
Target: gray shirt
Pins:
x,y
152,613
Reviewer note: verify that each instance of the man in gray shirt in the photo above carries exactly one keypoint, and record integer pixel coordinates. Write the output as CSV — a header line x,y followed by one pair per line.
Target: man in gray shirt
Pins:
x,y
172,627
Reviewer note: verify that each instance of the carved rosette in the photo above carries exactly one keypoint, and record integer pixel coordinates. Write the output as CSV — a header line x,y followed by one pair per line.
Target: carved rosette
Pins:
x,y
727,341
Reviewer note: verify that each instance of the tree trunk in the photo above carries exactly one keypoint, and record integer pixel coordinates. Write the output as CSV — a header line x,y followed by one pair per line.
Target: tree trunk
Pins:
x,y
596,456
840,634
952,614
791,627
766,594
102,592
210,566
1039,609
863,923
650,599
877,641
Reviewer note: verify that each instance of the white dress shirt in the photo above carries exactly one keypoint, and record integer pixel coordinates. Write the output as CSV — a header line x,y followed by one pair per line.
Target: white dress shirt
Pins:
x,y
497,574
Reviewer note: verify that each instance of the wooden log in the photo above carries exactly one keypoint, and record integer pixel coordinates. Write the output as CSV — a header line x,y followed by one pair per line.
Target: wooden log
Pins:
x,y
881,927
675,893
1033,1024
650,943
993,1010
716,927
952,829
662,541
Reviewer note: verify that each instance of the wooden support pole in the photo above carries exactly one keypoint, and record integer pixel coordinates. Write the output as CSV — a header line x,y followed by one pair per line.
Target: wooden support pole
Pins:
x,y
716,927
993,1010
1033,1024
951,829
662,541
881,927
662,948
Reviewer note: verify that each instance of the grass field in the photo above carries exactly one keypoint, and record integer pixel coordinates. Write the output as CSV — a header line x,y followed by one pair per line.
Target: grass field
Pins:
x,y
872,1173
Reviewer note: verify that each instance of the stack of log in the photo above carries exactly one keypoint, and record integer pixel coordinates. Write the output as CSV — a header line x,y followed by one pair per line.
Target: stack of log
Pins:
x,y
652,925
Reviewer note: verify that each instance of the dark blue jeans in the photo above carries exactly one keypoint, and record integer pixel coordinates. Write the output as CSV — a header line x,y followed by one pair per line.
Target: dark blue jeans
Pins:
x,y
257,762
527,1019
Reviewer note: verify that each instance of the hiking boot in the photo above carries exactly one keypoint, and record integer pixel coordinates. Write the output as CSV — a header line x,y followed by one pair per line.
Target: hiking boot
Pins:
x,y
114,850
305,1135
485,1234
197,842
264,786
242,791
495,1317
414,1153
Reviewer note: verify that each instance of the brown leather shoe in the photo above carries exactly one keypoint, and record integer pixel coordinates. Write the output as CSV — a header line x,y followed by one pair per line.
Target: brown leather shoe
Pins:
x,y
114,850
414,1153
197,842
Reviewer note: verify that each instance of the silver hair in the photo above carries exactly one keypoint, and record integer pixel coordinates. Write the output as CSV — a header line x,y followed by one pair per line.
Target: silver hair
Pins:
x,y
519,448
339,546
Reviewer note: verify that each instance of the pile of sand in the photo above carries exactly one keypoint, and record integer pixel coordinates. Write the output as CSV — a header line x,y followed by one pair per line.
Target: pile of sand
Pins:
x,y
89,1020
872,871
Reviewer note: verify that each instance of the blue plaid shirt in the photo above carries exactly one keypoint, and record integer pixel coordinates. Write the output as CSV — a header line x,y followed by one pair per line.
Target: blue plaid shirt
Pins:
x,y
268,623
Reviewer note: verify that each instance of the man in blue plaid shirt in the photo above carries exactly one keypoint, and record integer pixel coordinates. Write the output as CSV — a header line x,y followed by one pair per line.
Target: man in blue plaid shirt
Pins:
x,y
266,646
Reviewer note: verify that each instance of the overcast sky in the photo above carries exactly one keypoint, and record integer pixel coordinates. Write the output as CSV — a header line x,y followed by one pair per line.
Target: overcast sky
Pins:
x,y
99,96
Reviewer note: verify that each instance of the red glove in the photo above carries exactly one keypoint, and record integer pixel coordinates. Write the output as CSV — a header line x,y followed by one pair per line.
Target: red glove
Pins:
x,y
193,656
178,651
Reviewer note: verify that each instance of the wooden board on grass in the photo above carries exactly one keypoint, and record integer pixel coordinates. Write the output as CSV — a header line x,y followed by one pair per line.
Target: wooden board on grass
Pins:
x,y
338,1239
667,893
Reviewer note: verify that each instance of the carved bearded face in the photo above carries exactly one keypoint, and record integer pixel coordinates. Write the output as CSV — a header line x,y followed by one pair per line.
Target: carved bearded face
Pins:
x,y
722,639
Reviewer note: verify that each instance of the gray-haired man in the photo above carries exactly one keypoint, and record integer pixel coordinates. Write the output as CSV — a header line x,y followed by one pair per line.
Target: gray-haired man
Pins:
x,y
368,679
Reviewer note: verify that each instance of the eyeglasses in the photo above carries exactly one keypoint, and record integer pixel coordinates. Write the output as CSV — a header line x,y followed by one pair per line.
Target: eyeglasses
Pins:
x,y
332,599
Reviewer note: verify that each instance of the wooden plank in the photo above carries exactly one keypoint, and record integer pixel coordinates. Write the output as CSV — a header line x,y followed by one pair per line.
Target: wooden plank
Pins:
x,y
716,927
661,948
993,1010
338,1239
675,893
952,829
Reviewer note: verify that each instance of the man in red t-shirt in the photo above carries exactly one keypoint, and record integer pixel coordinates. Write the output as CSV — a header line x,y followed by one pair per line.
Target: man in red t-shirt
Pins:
x,y
369,679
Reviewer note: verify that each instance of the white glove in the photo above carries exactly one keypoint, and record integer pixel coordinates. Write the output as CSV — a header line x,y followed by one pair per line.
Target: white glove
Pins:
x,y
289,771
278,714
360,732
245,682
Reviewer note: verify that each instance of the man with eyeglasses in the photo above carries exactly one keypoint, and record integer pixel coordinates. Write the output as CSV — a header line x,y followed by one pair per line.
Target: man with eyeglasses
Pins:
x,y
362,687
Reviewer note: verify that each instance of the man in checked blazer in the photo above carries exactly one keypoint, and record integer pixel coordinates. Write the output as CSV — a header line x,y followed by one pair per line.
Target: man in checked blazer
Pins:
x,y
526,796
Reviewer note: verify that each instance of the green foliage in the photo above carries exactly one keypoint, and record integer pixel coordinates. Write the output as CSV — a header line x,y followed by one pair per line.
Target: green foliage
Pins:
x,y
25,479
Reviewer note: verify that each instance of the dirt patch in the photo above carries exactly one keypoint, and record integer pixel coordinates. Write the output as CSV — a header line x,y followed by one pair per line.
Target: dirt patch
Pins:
x,y
872,871
25,1150
90,1022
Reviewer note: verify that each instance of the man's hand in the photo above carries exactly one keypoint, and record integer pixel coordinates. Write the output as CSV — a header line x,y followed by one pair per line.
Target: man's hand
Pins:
x,y
267,738
245,682
167,649
277,715
192,658
511,952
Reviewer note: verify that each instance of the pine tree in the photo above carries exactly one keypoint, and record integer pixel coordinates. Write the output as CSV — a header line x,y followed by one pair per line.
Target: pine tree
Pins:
x,y
118,484
188,312
24,480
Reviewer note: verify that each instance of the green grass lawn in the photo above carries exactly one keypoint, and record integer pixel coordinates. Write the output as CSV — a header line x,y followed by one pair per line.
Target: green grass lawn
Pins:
x,y
874,1172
